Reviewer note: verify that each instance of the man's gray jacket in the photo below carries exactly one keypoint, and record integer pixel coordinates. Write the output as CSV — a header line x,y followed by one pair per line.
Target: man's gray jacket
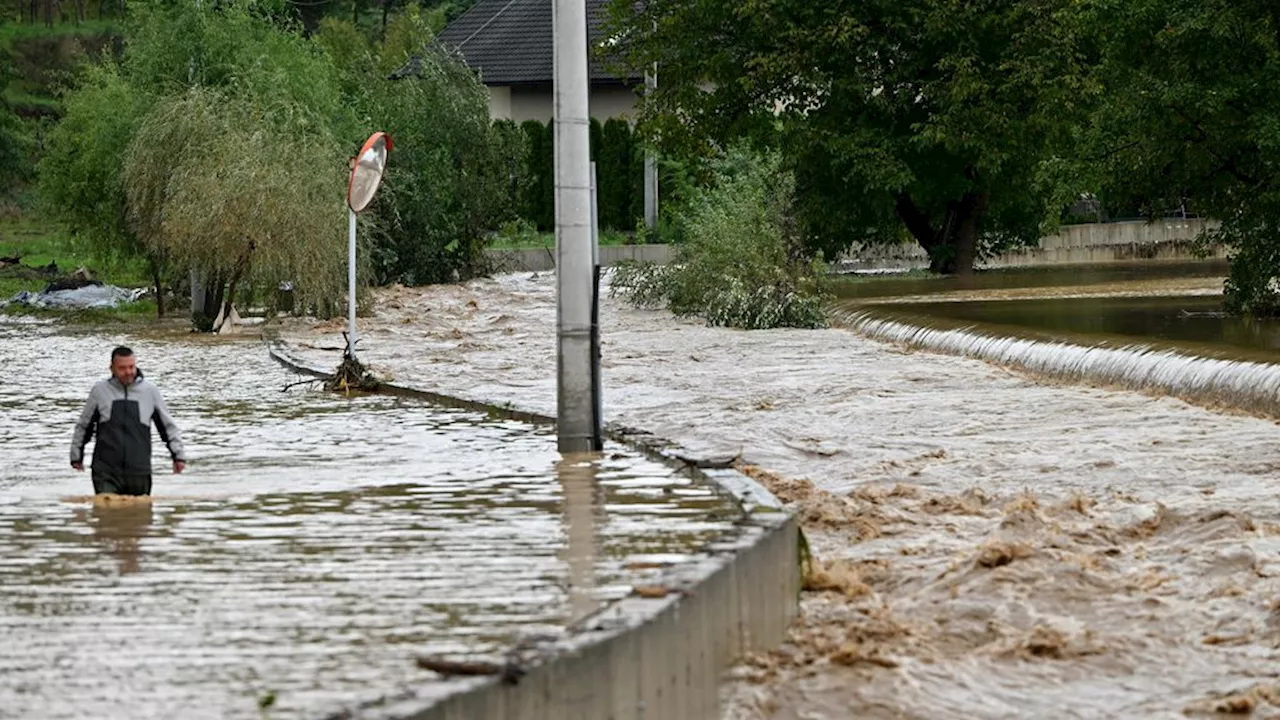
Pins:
x,y
122,416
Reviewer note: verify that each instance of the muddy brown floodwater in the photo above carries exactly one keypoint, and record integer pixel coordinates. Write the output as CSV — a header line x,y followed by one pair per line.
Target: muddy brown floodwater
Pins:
x,y
314,548
991,545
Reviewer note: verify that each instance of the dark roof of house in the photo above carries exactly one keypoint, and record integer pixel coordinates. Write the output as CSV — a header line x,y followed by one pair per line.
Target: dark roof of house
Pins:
x,y
509,42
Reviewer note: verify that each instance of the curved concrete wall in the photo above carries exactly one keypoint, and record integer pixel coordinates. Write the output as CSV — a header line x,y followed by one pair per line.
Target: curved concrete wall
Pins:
x,y
1167,239
639,658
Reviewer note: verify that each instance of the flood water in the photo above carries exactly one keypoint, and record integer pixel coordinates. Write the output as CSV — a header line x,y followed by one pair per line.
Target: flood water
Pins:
x,y
1168,306
888,285
315,546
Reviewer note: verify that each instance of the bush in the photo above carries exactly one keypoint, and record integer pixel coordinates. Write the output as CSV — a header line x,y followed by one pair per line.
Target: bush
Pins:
x,y
616,168
619,173
742,263
1253,280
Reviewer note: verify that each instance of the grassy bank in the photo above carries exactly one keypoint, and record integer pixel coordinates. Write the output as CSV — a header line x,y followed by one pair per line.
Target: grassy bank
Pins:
x,y
514,237
46,252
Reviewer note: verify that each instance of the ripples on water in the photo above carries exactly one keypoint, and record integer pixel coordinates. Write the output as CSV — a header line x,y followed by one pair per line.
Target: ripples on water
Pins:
x,y
1246,385
315,546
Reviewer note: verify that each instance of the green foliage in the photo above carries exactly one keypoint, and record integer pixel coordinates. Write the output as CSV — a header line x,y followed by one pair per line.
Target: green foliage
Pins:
x,y
408,33
1193,120
537,201
616,169
15,141
1253,281
80,181
257,198
350,53
742,264
220,137
178,202
916,116
451,178
175,46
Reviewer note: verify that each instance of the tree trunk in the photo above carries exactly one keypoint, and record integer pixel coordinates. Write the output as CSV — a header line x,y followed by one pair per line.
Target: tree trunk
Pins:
x,y
953,246
242,265
966,240
229,301
155,278
932,240
205,307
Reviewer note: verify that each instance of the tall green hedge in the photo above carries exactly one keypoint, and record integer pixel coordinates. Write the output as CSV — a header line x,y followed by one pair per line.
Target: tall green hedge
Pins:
x,y
619,171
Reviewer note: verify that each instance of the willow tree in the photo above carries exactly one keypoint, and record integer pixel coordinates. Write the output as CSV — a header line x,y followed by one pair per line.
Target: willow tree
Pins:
x,y
213,183
176,53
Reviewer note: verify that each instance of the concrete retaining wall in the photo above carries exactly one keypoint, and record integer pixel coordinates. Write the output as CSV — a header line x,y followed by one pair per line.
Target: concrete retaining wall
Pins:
x,y
543,259
1169,239
639,658
1093,243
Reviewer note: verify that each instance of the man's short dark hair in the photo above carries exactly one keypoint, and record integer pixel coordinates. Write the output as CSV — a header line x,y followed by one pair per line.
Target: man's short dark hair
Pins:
x,y
121,351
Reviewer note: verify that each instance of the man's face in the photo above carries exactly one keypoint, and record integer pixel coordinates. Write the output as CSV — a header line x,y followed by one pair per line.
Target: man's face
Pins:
x,y
124,368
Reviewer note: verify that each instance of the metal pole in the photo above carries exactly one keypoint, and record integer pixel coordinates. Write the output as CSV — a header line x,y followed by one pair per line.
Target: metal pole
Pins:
x,y
651,164
597,419
351,283
575,406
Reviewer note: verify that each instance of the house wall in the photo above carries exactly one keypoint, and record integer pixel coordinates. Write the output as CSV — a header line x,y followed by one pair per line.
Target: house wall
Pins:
x,y
612,102
531,103
499,102
535,103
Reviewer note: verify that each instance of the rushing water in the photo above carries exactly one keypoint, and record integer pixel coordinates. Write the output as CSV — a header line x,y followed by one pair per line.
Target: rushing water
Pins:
x,y
1145,327
314,547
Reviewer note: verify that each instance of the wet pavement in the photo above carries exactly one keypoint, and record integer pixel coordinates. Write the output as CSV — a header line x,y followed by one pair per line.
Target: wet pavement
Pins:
x,y
315,546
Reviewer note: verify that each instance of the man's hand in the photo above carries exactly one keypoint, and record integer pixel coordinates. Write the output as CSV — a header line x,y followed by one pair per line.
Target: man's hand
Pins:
x,y
178,466
78,466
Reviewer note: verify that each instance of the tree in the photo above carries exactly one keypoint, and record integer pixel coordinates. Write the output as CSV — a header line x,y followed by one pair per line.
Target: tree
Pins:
x,y
451,180
15,163
616,168
214,184
935,120
173,50
1193,120
80,181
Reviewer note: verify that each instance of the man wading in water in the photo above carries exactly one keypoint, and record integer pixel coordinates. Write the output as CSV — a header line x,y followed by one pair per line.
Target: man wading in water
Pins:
x,y
121,410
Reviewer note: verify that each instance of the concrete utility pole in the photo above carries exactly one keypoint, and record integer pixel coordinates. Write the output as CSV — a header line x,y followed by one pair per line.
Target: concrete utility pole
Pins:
x,y
575,401
651,164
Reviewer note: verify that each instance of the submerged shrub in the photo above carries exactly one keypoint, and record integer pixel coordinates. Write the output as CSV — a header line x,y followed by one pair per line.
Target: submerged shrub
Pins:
x,y
742,263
